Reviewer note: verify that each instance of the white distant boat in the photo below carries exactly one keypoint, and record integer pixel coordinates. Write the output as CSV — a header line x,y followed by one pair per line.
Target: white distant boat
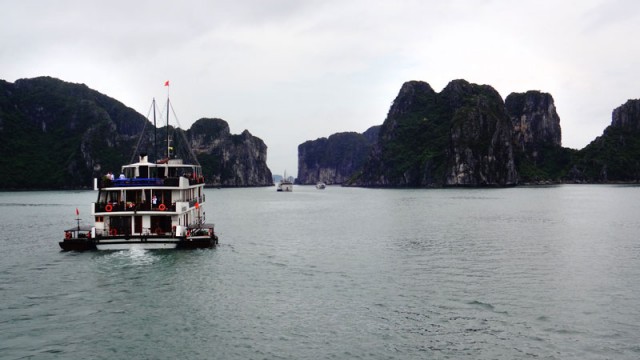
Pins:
x,y
285,184
320,185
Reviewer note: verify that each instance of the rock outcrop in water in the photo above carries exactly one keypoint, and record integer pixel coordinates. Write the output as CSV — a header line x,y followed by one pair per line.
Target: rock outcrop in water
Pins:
x,y
55,134
461,136
335,159
231,160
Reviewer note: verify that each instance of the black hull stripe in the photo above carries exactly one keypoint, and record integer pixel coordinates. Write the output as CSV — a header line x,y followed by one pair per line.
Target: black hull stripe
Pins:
x,y
85,244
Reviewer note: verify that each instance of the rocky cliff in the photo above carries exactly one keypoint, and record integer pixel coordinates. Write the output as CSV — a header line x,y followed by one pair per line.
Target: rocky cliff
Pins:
x,y
537,137
627,116
229,160
55,134
335,159
461,136
466,136
535,120
615,155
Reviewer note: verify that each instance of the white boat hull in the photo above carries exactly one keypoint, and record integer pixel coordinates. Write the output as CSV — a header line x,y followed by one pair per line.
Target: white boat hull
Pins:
x,y
136,245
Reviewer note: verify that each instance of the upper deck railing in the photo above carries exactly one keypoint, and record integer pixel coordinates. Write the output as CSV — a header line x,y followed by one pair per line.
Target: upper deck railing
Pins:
x,y
99,207
137,182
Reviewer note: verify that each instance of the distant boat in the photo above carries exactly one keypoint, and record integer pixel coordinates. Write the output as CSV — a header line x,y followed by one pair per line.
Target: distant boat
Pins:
x,y
285,184
320,185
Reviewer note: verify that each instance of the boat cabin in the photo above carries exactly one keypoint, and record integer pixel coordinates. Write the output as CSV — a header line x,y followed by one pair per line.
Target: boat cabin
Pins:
x,y
149,198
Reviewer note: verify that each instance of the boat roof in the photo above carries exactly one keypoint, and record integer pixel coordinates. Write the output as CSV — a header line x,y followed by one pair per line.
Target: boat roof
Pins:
x,y
200,226
81,228
175,162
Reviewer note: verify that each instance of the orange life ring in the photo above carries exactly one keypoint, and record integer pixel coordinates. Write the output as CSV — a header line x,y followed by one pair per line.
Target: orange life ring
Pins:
x,y
67,235
113,232
162,207
108,208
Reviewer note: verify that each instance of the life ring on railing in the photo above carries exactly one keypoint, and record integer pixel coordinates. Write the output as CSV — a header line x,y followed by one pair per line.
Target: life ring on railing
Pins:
x,y
188,233
113,232
162,207
108,208
67,235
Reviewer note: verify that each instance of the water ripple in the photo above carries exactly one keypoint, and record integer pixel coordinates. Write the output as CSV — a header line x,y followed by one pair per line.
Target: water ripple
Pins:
x,y
543,273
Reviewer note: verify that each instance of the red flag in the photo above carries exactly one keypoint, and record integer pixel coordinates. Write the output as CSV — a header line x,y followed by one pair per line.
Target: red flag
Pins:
x,y
166,83
77,212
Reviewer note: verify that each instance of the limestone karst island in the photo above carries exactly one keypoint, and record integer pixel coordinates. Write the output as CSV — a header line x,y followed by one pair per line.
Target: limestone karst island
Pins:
x,y
55,135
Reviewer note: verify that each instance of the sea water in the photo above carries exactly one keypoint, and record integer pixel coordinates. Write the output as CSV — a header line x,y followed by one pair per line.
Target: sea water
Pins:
x,y
342,273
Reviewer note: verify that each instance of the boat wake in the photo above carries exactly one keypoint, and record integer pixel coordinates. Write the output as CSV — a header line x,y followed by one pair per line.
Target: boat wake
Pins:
x,y
135,256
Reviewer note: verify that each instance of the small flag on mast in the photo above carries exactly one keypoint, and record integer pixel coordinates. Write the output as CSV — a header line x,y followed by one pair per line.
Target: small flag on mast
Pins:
x,y
166,83
77,212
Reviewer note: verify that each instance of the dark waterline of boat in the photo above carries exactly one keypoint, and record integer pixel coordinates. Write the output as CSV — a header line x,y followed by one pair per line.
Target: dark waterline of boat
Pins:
x,y
519,273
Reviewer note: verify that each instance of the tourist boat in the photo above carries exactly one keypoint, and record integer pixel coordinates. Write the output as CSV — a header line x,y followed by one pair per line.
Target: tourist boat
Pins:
x,y
285,184
320,185
152,205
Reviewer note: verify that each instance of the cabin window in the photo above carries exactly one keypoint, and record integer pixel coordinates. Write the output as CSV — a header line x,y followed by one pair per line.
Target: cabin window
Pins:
x,y
160,225
143,171
129,172
155,172
122,225
164,197
108,197
185,171
137,224
173,172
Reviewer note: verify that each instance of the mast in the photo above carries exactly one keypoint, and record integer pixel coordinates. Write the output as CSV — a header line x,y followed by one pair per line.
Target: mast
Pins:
x,y
168,110
168,140
155,133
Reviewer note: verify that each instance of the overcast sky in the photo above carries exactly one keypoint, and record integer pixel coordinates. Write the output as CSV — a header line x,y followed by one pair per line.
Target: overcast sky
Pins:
x,y
291,71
